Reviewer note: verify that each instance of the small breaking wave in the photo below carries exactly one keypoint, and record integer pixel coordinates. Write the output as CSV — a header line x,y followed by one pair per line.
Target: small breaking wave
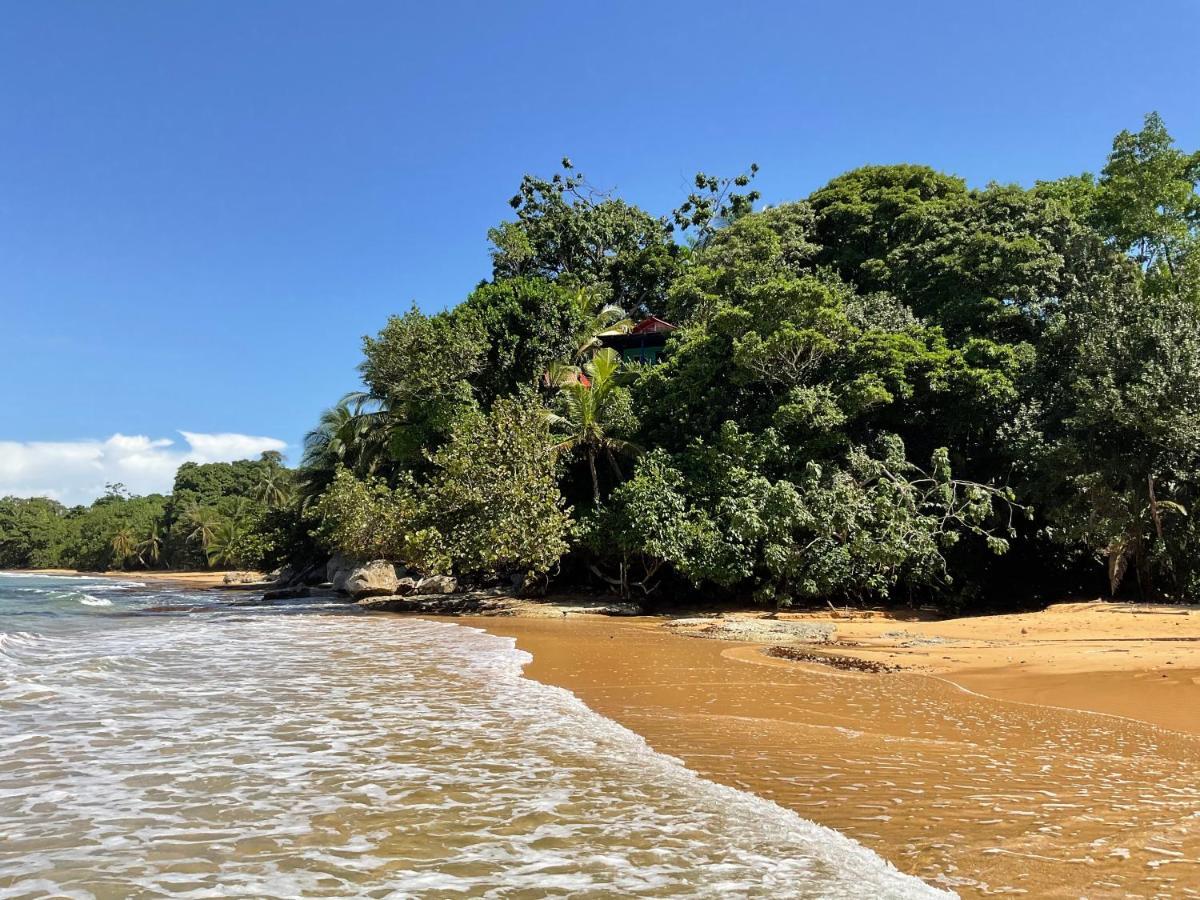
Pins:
x,y
332,755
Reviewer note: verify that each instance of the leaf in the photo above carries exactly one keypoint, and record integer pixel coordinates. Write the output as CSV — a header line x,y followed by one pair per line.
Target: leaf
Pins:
x,y
1119,552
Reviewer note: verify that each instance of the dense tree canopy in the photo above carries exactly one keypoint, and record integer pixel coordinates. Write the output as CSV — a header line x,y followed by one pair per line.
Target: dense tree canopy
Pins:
x,y
900,386
218,514
888,388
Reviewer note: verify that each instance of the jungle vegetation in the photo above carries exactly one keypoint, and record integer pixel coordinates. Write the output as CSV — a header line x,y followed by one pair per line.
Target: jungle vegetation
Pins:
x,y
899,387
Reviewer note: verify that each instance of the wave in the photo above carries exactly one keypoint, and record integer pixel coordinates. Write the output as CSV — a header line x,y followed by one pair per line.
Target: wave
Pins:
x,y
334,755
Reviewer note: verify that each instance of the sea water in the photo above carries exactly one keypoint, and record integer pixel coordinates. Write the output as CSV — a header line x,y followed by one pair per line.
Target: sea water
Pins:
x,y
162,742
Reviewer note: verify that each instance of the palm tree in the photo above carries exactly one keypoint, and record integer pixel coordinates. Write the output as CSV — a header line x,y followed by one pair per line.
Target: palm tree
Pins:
x,y
203,523
150,546
225,543
356,433
274,489
238,511
123,544
596,323
588,406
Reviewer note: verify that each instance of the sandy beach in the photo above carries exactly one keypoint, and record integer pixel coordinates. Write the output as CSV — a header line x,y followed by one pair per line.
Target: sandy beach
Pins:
x,y
1045,754
1052,754
153,576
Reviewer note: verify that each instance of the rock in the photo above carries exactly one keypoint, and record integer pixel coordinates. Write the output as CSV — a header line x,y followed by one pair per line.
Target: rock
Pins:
x,y
241,578
437,584
373,579
406,585
475,603
338,569
290,593
621,609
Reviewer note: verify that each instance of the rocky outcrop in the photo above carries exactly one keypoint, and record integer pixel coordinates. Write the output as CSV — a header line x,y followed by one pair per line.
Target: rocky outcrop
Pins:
x,y
759,630
289,593
338,569
495,603
437,584
242,578
373,579
474,603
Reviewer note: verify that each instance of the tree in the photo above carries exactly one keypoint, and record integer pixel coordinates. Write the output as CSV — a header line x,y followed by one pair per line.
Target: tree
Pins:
x,y
714,203
567,230
1114,448
124,545
201,523
527,323
149,548
594,409
492,506
274,489
35,532
494,496
1148,203
594,322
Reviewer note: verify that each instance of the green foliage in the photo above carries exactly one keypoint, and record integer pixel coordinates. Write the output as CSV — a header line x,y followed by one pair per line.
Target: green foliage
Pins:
x,y
492,506
1148,203
1043,345
109,532
35,533
494,496
368,519
592,413
714,203
566,227
527,324
1113,439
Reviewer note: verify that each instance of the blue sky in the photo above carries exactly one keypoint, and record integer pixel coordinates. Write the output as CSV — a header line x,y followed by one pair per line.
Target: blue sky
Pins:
x,y
205,205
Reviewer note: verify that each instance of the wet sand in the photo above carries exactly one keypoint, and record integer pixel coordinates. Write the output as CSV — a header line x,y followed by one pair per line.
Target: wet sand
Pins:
x,y
155,576
987,795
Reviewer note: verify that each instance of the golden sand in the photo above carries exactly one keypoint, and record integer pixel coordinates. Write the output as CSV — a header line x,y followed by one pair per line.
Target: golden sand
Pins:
x,y
1061,782
155,576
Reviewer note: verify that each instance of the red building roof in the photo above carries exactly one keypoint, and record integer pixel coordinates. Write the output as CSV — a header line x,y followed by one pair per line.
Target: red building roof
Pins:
x,y
652,325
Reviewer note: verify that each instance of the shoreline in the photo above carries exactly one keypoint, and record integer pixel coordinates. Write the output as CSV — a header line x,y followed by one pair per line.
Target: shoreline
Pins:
x,y
1051,753
972,777
183,578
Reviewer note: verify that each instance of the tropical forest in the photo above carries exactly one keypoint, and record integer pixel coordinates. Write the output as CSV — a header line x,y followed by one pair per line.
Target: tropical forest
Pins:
x,y
899,388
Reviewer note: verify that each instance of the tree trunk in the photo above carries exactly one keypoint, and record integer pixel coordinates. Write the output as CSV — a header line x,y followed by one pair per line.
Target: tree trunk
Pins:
x,y
595,476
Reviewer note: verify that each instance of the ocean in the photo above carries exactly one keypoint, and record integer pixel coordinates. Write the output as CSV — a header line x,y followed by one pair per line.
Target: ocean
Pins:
x,y
161,742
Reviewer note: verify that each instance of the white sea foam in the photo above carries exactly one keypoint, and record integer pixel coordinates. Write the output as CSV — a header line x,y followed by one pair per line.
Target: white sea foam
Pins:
x,y
339,755
89,600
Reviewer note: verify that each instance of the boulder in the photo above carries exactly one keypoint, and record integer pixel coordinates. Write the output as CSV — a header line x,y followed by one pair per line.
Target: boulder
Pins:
x,y
338,569
373,579
242,578
406,585
437,584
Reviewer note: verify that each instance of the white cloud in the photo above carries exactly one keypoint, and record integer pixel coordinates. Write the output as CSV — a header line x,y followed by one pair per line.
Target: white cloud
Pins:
x,y
76,471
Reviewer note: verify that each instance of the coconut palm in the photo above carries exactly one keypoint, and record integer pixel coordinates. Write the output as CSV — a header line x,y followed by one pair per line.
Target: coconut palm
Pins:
x,y
589,404
123,545
238,511
596,323
225,545
274,489
150,547
357,432
201,523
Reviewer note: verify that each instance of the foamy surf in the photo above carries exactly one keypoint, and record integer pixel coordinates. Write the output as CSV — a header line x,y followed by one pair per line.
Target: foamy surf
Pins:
x,y
318,755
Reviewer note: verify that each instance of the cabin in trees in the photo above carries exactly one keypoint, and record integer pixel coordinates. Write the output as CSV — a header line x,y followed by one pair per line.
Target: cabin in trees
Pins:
x,y
644,343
